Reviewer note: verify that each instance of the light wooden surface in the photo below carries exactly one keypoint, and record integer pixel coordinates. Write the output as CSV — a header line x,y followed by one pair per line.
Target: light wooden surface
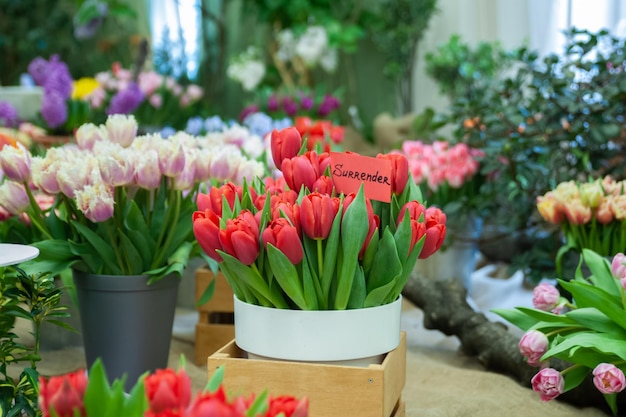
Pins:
x,y
333,390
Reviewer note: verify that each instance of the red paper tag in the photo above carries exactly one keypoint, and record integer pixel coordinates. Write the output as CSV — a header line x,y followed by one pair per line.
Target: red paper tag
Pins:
x,y
350,170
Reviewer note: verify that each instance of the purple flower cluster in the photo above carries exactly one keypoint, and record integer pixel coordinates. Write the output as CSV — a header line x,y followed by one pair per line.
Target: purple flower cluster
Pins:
x,y
8,114
56,80
126,101
298,104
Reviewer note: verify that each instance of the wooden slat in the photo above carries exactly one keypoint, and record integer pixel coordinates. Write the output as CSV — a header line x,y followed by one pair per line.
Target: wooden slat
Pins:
x,y
222,300
333,390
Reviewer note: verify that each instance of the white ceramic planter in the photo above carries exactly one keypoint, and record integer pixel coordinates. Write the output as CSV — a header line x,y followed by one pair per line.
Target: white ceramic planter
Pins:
x,y
354,337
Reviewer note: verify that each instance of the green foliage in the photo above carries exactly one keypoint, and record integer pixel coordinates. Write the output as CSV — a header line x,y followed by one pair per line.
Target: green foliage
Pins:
x,y
34,298
31,28
540,121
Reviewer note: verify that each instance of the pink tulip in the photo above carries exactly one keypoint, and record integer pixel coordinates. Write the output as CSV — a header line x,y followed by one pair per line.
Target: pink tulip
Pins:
x,y
121,128
549,383
608,378
545,297
15,162
96,202
618,266
88,134
147,171
171,158
533,345
13,197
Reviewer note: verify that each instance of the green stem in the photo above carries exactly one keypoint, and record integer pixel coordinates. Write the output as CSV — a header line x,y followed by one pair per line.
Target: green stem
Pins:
x,y
168,224
125,269
37,217
571,368
320,257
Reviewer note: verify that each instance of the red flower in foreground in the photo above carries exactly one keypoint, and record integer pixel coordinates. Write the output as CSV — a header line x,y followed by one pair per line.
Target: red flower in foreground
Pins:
x,y
64,394
435,231
284,236
241,237
288,405
206,229
168,390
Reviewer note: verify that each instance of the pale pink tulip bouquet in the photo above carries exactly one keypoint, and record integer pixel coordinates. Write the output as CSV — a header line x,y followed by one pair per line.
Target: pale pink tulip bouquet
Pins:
x,y
591,215
122,202
333,232
448,174
589,332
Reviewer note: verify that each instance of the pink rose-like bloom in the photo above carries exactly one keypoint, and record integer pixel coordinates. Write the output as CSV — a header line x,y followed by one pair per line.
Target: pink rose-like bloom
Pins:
x,y
549,383
545,297
533,345
618,267
608,378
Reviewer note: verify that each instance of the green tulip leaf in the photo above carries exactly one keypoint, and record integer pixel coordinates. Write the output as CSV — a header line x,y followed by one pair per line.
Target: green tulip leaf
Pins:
x,y
358,292
587,295
593,319
287,276
574,377
600,342
216,380
387,266
100,246
379,295
354,228
330,255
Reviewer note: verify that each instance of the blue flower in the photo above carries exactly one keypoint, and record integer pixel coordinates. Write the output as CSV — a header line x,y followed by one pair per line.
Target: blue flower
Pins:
x,y
194,126
214,124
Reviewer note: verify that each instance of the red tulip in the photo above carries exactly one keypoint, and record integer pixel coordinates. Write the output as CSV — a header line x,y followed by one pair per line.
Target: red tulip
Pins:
x,y
213,200
324,185
399,171
214,405
435,220
303,124
288,405
414,209
64,394
374,223
241,237
301,170
206,229
284,236
317,212
168,390
289,211
285,144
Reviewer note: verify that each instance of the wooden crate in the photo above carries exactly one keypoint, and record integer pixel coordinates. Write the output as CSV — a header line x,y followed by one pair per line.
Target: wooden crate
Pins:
x,y
333,390
215,325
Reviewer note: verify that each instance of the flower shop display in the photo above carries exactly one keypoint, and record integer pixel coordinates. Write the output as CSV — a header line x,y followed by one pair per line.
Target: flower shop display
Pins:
x,y
163,392
589,214
336,231
61,110
122,221
449,177
154,99
587,333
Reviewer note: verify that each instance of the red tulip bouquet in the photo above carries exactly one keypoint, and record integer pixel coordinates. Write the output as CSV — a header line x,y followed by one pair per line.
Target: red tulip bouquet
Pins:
x,y
335,231
165,393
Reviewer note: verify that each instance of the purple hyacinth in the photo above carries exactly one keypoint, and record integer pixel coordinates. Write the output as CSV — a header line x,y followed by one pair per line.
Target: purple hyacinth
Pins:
x,y
126,101
306,102
8,114
53,108
252,108
38,69
329,103
290,106
272,103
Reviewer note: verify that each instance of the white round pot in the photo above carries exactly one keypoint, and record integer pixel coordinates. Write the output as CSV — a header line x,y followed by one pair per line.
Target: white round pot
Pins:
x,y
359,335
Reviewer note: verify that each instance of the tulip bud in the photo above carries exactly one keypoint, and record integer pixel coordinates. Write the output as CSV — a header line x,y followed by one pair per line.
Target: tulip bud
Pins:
x,y
88,134
171,157
608,378
285,144
64,394
301,170
284,236
44,174
399,171
549,383
317,213
13,197
206,229
147,172
115,164
96,202
168,390
240,238
121,128
545,297
15,162
533,345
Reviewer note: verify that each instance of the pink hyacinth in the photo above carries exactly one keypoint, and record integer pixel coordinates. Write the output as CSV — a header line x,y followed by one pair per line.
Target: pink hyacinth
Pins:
x,y
545,297
533,345
548,383
608,378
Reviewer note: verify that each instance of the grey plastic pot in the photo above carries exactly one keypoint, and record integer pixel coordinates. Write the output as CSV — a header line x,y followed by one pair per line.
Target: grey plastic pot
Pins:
x,y
126,322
